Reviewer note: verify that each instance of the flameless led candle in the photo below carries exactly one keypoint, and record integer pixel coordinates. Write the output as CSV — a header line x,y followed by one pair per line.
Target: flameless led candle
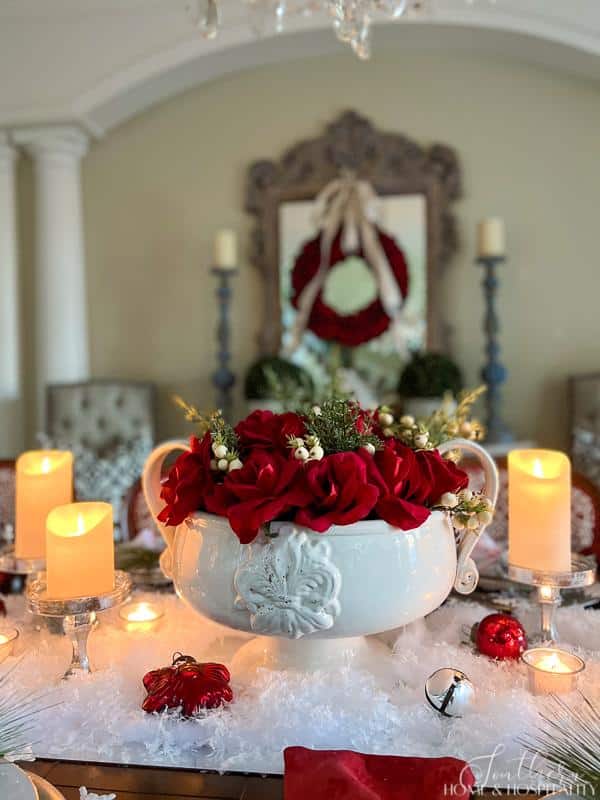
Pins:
x,y
44,480
551,670
141,615
491,238
8,637
80,553
226,249
539,510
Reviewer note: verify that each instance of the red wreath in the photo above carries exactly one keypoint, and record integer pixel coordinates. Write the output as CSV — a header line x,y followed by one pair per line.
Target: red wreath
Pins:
x,y
352,329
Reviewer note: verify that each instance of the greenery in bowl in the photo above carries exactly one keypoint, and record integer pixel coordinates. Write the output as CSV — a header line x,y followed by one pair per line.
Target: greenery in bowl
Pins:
x,y
430,375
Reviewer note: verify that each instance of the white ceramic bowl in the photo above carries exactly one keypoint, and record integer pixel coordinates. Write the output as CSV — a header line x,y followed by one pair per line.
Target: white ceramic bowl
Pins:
x,y
301,586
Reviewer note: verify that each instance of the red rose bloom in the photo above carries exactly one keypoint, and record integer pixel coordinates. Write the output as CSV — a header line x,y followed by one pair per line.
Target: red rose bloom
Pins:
x,y
436,475
268,431
392,469
339,492
267,487
189,482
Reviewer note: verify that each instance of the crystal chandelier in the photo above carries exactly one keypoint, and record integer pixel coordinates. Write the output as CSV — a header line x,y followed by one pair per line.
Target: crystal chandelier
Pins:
x,y
351,18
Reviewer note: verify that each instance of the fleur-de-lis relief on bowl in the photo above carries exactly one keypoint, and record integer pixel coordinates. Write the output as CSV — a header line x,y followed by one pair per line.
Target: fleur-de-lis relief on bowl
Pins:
x,y
288,584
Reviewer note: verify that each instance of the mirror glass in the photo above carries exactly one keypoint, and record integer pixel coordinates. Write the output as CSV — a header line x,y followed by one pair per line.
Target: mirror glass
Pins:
x,y
350,286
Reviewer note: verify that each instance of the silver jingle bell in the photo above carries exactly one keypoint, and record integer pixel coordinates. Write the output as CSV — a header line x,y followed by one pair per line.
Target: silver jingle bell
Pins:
x,y
449,691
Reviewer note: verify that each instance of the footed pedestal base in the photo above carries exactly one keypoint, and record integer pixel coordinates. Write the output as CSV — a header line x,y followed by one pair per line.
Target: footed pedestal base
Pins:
x,y
311,654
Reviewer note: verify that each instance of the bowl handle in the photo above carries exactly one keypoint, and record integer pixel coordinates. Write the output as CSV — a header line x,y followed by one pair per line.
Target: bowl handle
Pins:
x,y
466,569
151,484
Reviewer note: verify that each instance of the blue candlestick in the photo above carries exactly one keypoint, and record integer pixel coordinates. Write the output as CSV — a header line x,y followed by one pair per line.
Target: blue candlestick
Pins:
x,y
494,372
223,378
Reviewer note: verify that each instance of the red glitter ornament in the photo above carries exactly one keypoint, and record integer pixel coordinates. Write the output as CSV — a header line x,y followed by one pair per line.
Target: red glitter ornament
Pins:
x,y
500,636
187,684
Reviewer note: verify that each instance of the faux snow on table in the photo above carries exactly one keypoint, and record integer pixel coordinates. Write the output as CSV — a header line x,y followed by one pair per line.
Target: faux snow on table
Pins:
x,y
99,716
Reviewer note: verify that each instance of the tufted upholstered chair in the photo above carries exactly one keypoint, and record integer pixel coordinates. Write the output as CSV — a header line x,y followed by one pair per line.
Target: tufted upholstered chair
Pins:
x,y
100,414
109,425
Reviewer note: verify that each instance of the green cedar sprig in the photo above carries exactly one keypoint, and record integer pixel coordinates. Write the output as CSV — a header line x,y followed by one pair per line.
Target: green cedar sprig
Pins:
x,y
334,424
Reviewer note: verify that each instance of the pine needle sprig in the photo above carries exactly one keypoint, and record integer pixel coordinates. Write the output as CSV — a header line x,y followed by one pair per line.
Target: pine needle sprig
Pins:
x,y
17,712
334,424
222,432
568,745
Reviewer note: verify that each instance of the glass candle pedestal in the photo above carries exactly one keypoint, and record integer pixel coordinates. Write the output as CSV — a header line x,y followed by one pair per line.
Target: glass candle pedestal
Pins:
x,y
12,565
548,586
78,614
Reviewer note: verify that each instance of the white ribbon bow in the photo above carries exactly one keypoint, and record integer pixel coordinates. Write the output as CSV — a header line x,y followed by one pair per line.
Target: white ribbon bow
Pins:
x,y
350,204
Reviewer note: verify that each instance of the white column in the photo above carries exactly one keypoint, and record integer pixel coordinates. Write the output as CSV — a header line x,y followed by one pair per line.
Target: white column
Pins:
x,y
10,361
61,334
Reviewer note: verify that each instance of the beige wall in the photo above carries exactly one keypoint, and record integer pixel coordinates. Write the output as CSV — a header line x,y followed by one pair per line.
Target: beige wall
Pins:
x,y
156,189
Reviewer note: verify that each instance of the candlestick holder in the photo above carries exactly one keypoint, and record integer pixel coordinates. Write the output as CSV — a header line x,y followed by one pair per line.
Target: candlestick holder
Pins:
x,y
78,615
223,378
494,372
548,587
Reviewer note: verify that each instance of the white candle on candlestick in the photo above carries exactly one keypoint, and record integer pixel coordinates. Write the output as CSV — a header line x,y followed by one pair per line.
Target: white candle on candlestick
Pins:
x,y
491,238
226,249
539,510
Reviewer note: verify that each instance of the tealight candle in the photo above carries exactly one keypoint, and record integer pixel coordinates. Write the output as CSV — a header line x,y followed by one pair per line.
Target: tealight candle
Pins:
x,y
539,510
8,637
551,670
141,615
80,553
44,480
226,249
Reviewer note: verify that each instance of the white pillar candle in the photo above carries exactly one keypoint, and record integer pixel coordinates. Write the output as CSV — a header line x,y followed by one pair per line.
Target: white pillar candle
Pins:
x,y
80,552
44,480
491,237
60,296
539,510
226,249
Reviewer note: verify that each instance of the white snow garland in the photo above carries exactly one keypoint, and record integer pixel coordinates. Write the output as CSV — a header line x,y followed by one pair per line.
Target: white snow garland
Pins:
x,y
99,716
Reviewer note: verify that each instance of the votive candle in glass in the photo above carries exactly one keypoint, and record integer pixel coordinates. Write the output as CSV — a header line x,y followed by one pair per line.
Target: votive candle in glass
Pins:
x,y
8,638
80,551
539,510
141,615
551,670
44,480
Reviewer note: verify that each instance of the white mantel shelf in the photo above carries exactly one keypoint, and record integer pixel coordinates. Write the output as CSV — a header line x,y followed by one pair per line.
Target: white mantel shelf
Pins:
x,y
97,63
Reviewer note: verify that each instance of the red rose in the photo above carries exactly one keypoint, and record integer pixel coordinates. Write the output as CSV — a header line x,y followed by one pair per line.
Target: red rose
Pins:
x,y
265,488
436,475
269,431
339,492
392,469
189,482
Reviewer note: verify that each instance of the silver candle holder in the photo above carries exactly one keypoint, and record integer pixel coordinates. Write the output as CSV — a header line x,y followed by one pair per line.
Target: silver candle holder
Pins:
x,y
78,615
548,587
12,565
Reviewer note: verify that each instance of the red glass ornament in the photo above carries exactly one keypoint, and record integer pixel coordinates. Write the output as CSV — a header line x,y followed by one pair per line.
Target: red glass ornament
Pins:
x,y
500,636
187,684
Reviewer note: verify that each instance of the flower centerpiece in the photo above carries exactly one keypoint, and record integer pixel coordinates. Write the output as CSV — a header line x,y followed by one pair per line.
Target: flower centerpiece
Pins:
x,y
320,525
333,464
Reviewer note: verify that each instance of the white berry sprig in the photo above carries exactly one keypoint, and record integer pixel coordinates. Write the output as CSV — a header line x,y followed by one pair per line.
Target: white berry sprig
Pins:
x,y
470,510
224,460
306,448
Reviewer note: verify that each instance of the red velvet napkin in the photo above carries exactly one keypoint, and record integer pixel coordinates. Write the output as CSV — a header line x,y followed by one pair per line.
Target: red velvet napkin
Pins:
x,y
345,775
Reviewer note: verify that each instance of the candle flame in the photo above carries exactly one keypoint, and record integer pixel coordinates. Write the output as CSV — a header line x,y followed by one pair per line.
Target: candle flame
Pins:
x,y
538,468
141,612
80,523
46,465
553,663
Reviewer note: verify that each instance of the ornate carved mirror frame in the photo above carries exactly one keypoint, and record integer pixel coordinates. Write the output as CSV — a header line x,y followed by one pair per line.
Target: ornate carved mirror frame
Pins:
x,y
393,164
